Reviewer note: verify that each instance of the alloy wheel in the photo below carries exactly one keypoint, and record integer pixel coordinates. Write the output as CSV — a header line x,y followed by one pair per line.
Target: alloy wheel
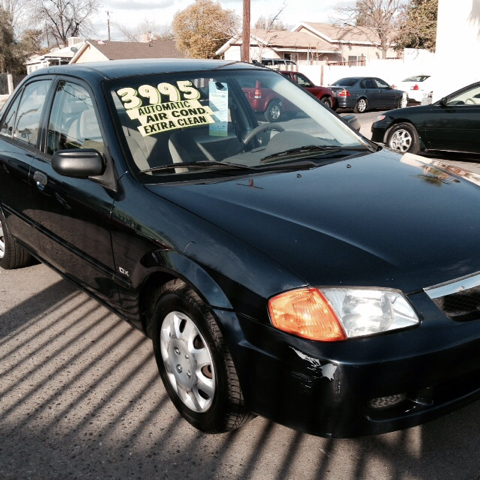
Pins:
x,y
401,141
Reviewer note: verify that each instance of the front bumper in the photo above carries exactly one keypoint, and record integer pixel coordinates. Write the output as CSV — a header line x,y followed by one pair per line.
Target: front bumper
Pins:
x,y
379,130
358,387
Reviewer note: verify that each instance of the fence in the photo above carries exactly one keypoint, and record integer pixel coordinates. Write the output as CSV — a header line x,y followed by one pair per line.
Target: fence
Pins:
x,y
9,82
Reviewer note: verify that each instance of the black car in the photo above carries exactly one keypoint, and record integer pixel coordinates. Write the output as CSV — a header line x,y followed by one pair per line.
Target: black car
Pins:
x,y
292,270
366,93
452,125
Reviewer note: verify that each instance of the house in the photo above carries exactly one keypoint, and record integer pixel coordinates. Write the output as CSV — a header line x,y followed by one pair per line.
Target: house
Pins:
x,y
100,50
353,44
56,56
300,47
310,43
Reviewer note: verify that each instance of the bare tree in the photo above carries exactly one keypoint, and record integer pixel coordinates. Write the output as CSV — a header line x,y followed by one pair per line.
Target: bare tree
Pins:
x,y
18,11
65,18
376,19
147,27
269,23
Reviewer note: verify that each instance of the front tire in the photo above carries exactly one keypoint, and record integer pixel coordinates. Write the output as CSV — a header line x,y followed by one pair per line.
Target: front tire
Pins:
x,y
361,106
403,138
12,255
194,362
274,112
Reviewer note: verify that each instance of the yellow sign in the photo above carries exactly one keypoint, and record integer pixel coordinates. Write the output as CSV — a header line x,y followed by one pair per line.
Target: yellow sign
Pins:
x,y
161,116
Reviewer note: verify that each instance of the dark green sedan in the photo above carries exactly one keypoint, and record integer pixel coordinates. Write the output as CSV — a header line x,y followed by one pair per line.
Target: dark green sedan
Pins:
x,y
452,125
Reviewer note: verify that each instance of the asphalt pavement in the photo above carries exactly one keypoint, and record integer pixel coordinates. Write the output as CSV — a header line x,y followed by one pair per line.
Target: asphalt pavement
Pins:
x,y
80,398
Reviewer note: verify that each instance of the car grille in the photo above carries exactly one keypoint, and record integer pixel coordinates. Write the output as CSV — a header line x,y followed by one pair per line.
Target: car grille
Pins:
x,y
459,300
461,306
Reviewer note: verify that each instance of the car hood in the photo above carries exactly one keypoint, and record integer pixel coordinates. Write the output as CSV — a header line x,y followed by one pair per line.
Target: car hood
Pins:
x,y
374,220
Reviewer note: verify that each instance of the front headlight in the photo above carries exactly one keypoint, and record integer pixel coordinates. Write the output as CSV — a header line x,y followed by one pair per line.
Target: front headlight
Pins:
x,y
333,314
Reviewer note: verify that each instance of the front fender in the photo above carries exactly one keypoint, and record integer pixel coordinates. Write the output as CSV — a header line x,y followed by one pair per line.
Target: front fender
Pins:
x,y
177,265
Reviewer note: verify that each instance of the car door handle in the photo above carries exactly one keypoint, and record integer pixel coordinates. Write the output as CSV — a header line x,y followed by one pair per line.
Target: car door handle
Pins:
x,y
40,179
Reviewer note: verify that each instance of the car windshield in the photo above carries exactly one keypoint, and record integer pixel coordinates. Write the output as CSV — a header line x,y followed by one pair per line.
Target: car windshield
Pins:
x,y
417,78
183,125
345,82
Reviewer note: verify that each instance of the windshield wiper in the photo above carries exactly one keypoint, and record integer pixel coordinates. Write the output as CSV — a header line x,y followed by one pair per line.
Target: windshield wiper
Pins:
x,y
200,164
306,151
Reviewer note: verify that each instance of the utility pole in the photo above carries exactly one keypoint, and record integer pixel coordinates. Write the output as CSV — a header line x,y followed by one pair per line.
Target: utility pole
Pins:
x,y
108,23
246,32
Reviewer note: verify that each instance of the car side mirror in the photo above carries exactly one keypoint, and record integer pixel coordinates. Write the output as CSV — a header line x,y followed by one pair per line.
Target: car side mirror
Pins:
x,y
353,121
443,101
81,163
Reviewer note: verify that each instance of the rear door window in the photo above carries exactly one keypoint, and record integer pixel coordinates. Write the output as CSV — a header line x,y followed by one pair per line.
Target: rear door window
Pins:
x,y
27,118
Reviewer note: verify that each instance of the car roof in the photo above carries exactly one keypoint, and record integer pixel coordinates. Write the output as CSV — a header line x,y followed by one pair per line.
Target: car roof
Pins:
x,y
128,68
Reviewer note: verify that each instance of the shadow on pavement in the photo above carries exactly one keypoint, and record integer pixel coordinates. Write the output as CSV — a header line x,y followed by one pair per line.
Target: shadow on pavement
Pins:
x,y
80,397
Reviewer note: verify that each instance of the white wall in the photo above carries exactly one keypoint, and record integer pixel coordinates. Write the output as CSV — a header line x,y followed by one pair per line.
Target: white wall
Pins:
x,y
458,46
392,71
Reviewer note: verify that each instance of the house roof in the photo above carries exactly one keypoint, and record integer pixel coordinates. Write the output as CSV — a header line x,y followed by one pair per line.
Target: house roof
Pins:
x,y
341,34
283,39
132,50
58,53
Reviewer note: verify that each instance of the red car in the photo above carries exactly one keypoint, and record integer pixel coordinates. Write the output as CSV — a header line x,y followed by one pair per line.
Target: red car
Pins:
x,y
325,95
265,101
274,107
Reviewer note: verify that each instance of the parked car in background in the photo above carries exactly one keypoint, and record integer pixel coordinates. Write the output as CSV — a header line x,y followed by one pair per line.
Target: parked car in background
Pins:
x,y
416,87
296,271
265,102
451,124
366,93
325,95
276,62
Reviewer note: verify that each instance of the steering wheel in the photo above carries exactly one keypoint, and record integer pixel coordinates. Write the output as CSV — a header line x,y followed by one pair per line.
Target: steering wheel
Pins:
x,y
261,128
470,101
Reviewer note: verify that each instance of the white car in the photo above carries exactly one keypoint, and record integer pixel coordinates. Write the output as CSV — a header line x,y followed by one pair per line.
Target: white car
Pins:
x,y
416,87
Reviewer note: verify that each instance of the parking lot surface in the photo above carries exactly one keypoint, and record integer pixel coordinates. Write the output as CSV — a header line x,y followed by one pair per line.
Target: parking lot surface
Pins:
x,y
80,398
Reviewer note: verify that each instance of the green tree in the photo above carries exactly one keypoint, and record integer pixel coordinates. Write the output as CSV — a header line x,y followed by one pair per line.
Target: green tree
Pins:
x,y
418,25
11,58
203,27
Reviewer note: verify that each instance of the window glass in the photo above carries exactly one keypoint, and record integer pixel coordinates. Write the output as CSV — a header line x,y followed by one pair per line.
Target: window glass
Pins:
x,y
27,122
247,118
345,82
416,78
467,97
73,122
9,120
381,84
302,80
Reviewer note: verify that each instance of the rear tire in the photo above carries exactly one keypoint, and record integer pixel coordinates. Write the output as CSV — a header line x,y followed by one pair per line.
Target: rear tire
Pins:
x,y
12,255
361,106
194,362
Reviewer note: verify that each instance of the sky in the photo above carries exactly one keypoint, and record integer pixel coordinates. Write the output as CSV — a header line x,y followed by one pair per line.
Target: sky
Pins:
x,y
131,13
